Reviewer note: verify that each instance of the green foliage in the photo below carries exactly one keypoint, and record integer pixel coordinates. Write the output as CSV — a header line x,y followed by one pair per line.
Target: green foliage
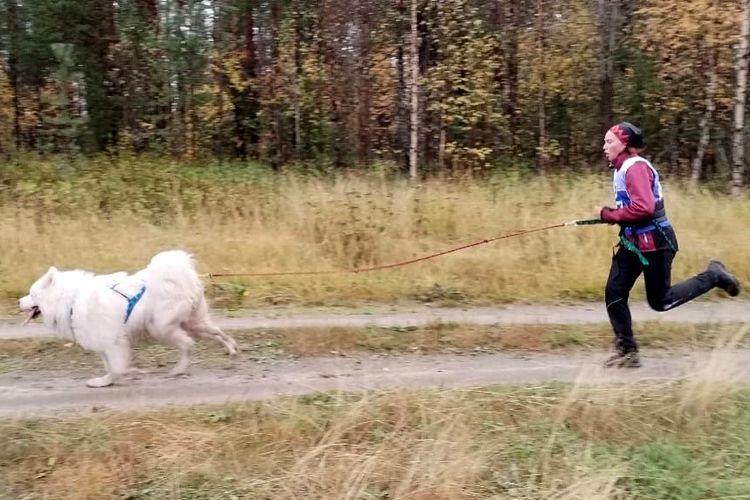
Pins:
x,y
65,123
666,470
461,83
674,472
638,93
696,467
144,188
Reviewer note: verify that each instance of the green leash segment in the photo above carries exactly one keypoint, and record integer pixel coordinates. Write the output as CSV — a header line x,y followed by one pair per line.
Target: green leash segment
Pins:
x,y
584,222
626,243
629,245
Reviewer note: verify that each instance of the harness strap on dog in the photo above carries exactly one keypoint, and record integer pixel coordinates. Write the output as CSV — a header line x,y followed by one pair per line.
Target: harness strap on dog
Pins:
x,y
132,301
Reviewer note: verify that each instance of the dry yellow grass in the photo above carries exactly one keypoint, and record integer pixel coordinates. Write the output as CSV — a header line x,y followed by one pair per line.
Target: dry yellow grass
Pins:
x,y
533,442
305,223
569,441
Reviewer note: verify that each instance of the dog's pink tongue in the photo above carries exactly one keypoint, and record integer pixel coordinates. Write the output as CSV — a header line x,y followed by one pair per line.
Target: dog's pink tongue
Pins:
x,y
29,317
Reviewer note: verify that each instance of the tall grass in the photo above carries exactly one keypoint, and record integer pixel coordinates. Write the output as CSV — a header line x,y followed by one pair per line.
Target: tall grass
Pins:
x,y
107,215
533,442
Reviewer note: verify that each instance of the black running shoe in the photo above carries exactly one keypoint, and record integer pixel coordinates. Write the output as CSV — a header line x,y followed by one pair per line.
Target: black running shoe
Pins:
x,y
613,360
726,280
630,360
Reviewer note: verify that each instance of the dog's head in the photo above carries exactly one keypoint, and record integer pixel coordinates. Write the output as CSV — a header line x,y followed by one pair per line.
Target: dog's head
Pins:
x,y
33,303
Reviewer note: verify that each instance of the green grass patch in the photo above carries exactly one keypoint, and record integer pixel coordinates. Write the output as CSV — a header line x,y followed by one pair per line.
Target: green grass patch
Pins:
x,y
693,469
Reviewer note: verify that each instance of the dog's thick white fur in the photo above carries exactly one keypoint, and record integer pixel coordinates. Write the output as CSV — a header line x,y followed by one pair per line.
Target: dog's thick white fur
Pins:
x,y
91,310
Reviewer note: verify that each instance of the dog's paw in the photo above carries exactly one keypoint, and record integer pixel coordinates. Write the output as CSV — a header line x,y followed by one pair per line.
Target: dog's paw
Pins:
x,y
104,381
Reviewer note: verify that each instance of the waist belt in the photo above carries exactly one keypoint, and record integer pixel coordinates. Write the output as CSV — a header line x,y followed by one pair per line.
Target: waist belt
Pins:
x,y
657,223
660,222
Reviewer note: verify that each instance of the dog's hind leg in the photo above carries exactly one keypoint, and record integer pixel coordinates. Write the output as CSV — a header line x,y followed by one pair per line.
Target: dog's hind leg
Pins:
x,y
207,331
200,326
117,362
180,339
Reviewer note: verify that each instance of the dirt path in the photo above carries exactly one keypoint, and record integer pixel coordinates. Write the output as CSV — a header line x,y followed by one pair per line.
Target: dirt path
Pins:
x,y
56,392
694,312
53,392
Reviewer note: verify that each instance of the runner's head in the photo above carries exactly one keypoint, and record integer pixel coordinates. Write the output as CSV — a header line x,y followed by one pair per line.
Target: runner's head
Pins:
x,y
620,137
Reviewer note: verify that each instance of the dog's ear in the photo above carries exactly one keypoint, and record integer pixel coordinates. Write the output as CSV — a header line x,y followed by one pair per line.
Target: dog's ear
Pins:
x,y
49,278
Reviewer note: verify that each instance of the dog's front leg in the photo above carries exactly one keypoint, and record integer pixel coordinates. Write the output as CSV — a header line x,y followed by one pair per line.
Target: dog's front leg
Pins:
x,y
104,381
116,361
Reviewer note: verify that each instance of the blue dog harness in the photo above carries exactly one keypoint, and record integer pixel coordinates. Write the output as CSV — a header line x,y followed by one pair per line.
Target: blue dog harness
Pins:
x,y
132,301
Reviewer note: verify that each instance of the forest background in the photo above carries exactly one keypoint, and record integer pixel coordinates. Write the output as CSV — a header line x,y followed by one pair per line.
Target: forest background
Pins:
x,y
422,86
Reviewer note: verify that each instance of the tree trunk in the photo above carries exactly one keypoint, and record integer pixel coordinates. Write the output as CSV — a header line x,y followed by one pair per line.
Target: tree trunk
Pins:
x,y
738,143
401,137
245,100
13,49
151,13
441,144
191,120
36,134
297,80
541,95
608,28
413,93
504,19
94,53
278,144
181,136
216,39
511,110
363,84
705,123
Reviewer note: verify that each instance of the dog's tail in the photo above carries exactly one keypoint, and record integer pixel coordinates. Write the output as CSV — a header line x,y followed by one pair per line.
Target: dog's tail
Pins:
x,y
172,258
174,272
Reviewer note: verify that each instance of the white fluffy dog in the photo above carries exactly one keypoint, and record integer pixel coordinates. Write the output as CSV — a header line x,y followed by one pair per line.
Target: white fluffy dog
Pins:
x,y
109,313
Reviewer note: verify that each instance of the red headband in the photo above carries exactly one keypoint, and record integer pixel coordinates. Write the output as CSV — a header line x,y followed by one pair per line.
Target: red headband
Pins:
x,y
620,133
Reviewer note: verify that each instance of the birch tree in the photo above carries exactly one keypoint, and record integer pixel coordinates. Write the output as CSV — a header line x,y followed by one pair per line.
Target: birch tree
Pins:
x,y
12,27
738,143
705,123
608,13
542,153
413,92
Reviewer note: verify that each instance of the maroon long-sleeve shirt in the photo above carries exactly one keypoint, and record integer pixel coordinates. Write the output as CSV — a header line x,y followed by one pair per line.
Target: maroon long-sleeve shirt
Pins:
x,y
639,180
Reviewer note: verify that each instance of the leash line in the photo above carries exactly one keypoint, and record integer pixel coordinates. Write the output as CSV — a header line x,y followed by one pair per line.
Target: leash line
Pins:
x,y
358,270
